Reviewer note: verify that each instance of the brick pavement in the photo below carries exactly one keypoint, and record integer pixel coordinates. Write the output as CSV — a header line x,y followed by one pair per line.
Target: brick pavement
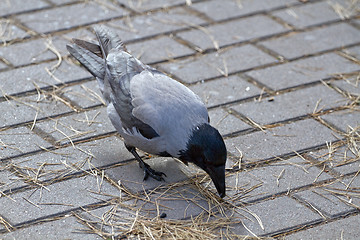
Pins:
x,y
280,79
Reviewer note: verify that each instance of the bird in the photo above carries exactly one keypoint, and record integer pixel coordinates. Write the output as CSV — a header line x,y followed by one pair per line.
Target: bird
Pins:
x,y
150,110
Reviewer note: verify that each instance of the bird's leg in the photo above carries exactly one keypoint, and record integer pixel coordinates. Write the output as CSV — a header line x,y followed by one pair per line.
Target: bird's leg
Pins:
x,y
148,171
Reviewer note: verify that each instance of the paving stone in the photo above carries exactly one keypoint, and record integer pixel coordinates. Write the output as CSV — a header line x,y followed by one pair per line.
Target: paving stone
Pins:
x,y
28,77
139,5
225,122
280,140
3,66
277,214
354,51
224,90
306,15
344,119
131,175
342,159
16,6
78,126
36,51
84,95
9,32
159,49
154,23
219,10
64,228
303,71
8,180
346,228
321,39
27,109
349,86
291,104
77,14
328,204
217,64
279,177
55,198
176,202
220,35
18,141
59,162
61,2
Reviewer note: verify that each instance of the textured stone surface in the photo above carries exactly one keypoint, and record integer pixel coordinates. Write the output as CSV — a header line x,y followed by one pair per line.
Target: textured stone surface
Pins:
x,y
280,140
305,43
138,27
290,105
219,10
279,177
64,228
349,86
344,120
306,15
274,212
9,31
160,49
303,71
82,13
216,64
18,141
224,90
232,32
17,6
344,228
30,77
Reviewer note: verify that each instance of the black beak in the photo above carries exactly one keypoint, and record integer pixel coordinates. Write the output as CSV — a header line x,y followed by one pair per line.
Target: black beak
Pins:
x,y
217,175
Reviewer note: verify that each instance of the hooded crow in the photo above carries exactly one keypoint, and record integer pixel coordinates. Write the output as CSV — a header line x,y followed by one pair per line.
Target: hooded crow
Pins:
x,y
150,110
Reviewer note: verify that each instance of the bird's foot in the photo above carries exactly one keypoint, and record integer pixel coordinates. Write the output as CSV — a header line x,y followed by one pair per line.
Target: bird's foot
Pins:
x,y
148,171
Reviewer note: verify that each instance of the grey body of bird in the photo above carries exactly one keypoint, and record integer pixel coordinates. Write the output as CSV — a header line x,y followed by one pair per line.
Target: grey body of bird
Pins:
x,y
150,110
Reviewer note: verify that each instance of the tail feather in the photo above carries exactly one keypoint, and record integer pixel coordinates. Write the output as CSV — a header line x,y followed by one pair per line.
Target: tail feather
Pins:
x,y
108,40
92,62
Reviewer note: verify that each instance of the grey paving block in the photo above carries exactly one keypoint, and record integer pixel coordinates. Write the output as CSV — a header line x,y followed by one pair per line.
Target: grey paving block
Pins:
x,y
84,95
60,162
9,31
148,5
61,2
309,42
217,64
354,51
224,90
343,159
309,14
219,10
346,228
18,141
280,140
36,51
279,177
344,119
3,66
154,23
131,175
30,109
30,77
16,6
64,228
325,202
277,214
55,198
232,32
78,126
66,17
8,180
159,49
291,104
225,122
348,86
303,71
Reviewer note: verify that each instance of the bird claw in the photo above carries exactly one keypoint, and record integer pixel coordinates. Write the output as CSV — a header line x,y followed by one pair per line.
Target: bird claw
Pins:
x,y
148,171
